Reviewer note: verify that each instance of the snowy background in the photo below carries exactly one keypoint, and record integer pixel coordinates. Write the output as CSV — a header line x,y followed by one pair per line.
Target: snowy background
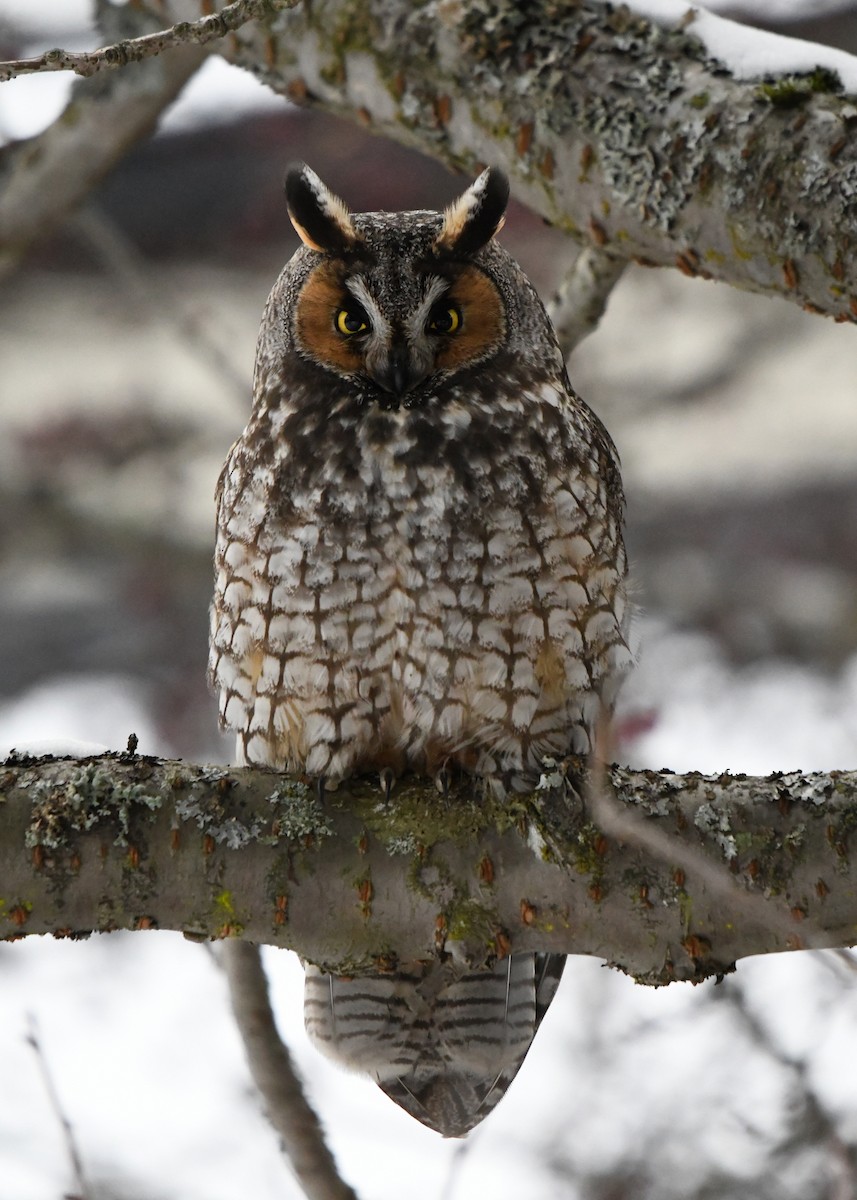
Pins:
x,y
126,347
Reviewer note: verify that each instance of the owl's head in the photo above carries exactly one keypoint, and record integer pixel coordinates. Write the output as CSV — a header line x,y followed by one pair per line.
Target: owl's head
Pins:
x,y
399,303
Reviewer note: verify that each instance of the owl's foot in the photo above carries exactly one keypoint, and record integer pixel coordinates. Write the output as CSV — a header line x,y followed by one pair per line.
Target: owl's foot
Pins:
x,y
320,788
442,780
388,780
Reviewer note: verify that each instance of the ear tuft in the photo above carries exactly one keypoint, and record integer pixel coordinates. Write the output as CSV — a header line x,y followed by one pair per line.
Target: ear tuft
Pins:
x,y
472,220
321,219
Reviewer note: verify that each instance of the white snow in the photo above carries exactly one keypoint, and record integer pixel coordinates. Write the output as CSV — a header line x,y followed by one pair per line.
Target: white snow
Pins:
x,y
77,715
749,53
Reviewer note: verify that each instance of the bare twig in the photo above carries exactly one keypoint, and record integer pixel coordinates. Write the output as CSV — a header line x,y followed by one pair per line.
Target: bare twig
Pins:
x,y
461,1153
207,29
81,1189
620,821
582,295
271,1066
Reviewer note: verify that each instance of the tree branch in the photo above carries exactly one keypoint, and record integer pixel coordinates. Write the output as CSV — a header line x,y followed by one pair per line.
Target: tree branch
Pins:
x,y
358,883
82,1189
629,136
43,178
625,134
582,296
130,50
275,1076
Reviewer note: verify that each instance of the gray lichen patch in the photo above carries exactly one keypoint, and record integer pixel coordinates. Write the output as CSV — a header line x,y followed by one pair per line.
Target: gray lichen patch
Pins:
x,y
213,812
299,815
83,798
715,823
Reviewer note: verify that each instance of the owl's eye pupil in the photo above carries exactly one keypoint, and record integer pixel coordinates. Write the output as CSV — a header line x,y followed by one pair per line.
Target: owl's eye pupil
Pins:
x,y
351,320
444,319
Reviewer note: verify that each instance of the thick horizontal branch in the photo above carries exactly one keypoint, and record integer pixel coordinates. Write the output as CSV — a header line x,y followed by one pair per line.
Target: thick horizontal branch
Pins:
x,y
725,867
623,133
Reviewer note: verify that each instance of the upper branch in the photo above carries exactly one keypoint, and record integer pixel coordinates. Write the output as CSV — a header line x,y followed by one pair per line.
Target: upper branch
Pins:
x,y
207,29
626,134
726,867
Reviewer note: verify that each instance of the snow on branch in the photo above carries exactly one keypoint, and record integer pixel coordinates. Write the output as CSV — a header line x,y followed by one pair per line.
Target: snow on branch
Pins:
x,y
666,876
129,50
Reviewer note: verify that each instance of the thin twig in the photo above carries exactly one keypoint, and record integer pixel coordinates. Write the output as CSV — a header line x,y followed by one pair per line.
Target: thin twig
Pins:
x,y
45,177
272,1069
620,821
206,29
582,296
81,1188
462,1152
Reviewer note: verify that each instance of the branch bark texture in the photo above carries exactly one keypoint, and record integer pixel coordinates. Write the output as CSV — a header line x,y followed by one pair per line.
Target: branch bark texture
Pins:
x,y
625,134
46,177
357,883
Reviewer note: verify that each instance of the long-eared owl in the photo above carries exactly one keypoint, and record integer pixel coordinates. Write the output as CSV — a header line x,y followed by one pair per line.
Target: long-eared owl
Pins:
x,y
419,567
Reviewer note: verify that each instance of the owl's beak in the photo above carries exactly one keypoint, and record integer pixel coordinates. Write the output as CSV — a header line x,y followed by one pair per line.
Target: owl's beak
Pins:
x,y
398,374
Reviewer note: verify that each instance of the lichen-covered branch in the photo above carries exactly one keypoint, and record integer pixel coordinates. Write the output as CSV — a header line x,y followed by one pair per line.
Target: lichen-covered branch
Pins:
x,y
357,882
625,134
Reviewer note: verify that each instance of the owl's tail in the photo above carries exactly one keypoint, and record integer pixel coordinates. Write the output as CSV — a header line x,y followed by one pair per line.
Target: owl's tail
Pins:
x,y
442,1044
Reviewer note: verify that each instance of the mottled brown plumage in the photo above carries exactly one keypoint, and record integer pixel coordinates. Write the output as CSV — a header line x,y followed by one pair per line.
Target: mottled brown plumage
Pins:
x,y
419,566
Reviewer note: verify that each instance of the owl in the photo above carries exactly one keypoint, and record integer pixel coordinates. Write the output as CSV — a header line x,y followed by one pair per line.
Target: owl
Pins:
x,y
419,568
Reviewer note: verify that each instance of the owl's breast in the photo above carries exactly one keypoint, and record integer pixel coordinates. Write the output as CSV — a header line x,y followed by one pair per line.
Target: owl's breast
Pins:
x,y
408,597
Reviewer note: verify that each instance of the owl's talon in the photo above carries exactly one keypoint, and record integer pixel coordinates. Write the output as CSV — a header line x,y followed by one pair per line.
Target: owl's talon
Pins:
x,y
387,781
442,780
320,787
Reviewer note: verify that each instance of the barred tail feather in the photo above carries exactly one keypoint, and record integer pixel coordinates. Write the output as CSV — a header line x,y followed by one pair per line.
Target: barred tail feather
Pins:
x,y
444,1046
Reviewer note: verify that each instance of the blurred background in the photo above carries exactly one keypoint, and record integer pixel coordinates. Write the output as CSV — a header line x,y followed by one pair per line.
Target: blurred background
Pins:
x,y
126,355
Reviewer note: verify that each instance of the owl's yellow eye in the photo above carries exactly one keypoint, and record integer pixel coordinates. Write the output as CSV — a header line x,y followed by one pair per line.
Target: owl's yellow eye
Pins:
x,y
350,321
444,320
